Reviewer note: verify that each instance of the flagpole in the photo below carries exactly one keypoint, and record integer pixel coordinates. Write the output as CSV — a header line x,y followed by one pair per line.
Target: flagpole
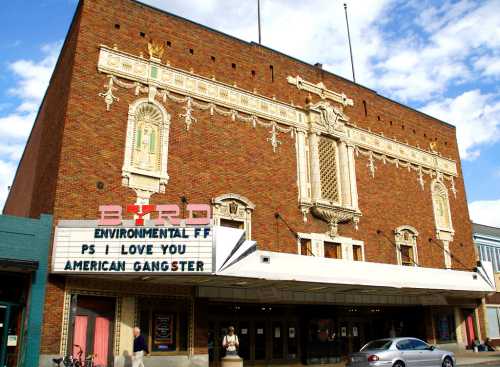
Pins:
x,y
350,47
258,18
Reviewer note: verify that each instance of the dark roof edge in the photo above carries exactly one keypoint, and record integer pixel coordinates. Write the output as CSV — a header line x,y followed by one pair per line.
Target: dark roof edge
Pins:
x,y
478,225
252,43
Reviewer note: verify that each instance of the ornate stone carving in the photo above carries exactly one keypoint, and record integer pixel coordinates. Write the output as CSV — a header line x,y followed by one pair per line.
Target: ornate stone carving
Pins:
x,y
156,49
108,96
331,118
273,139
320,90
334,215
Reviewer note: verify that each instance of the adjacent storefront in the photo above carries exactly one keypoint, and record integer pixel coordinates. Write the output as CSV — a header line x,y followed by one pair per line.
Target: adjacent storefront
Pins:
x,y
23,272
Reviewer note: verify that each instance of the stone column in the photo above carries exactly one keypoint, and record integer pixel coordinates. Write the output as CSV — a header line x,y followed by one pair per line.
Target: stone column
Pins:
x,y
315,174
459,327
302,166
352,176
126,332
447,256
344,171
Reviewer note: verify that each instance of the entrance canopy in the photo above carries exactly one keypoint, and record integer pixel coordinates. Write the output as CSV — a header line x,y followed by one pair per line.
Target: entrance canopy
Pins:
x,y
298,278
291,267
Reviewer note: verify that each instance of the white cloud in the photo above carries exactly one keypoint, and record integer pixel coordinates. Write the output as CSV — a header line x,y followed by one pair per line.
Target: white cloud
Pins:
x,y
16,126
485,212
313,31
476,116
488,66
33,76
31,80
425,66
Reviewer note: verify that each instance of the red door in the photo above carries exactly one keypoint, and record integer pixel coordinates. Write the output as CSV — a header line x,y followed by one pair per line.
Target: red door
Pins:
x,y
93,330
471,335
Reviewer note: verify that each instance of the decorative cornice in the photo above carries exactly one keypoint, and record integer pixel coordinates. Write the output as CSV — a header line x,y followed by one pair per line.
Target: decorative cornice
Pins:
x,y
321,90
159,79
150,72
402,152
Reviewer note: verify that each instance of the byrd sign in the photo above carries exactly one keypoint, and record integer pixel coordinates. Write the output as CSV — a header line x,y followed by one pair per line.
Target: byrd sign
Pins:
x,y
157,240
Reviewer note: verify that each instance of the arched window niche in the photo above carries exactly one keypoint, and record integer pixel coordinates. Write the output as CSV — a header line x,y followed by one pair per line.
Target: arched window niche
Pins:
x,y
442,218
146,149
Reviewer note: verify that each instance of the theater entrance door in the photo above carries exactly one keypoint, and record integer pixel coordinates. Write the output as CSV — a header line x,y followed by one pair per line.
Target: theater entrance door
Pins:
x,y
264,338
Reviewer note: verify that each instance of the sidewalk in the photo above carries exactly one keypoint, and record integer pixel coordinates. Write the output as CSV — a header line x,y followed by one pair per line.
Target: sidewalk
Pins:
x,y
466,359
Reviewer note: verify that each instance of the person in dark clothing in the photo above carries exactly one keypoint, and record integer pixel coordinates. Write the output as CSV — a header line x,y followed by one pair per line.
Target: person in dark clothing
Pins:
x,y
140,348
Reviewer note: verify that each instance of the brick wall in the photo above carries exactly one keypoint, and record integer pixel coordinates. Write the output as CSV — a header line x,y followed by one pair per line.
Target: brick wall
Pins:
x,y
216,155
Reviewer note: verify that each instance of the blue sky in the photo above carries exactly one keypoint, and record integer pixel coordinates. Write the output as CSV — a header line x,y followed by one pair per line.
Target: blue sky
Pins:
x,y
441,57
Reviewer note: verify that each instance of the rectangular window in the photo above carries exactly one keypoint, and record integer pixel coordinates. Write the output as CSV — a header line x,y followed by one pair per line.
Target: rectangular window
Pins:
x,y
333,250
305,247
232,223
357,253
328,169
445,326
407,255
493,322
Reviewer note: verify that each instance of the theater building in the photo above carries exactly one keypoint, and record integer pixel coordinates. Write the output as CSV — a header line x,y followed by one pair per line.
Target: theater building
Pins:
x,y
198,181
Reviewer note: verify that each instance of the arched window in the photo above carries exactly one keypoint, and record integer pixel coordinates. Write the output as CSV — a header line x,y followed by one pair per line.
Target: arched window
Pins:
x,y
233,210
146,148
147,124
406,244
441,206
442,218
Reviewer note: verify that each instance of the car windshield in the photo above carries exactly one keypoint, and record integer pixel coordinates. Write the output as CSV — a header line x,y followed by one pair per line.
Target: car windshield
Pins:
x,y
382,344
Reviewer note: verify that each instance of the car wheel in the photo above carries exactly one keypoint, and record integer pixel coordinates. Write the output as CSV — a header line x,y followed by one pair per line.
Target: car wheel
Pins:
x,y
447,362
398,364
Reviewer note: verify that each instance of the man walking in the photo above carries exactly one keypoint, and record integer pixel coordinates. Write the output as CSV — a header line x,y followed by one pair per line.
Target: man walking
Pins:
x,y
140,348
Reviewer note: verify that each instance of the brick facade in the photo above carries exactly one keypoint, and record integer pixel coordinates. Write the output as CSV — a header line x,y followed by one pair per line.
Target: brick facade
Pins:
x,y
75,143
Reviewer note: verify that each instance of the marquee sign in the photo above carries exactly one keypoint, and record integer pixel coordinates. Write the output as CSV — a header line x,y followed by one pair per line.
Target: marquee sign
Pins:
x,y
111,244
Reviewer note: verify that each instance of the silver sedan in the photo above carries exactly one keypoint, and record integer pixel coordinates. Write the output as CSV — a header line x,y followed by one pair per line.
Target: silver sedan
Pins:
x,y
401,352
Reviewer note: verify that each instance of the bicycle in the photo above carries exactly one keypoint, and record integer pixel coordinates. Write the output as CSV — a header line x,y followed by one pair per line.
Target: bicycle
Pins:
x,y
71,361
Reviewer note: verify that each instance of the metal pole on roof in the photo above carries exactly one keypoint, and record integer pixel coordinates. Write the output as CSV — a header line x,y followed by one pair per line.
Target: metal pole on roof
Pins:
x,y
349,38
258,17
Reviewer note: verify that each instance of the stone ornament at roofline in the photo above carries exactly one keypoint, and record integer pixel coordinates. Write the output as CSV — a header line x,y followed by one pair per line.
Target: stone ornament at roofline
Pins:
x,y
320,90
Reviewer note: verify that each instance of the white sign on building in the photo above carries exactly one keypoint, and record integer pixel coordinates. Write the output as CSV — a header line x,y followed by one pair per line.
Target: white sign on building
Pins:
x,y
85,247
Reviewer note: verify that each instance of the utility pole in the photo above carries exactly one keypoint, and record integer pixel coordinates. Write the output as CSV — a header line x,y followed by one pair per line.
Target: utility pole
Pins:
x,y
349,39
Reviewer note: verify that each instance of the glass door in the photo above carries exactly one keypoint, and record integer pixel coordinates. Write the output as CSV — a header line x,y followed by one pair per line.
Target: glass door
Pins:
x,y
260,340
278,340
4,327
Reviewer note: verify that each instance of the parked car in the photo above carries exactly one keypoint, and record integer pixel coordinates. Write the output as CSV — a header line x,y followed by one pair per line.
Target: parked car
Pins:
x,y
401,352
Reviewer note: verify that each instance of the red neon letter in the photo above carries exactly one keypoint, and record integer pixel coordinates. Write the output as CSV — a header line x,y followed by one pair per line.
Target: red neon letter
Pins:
x,y
111,215
191,208
168,212
140,211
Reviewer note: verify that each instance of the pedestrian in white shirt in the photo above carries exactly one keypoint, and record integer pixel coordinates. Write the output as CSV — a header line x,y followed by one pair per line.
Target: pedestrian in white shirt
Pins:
x,y
230,342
